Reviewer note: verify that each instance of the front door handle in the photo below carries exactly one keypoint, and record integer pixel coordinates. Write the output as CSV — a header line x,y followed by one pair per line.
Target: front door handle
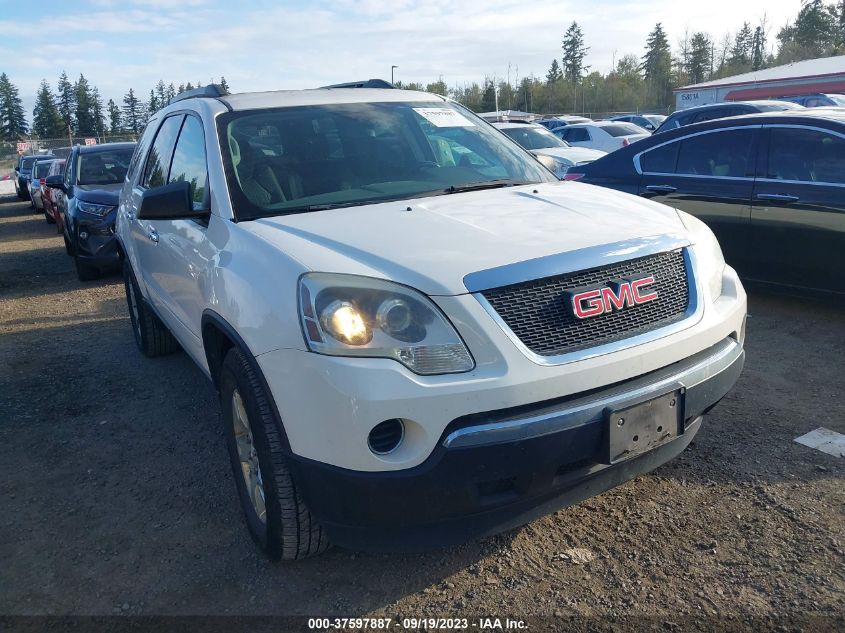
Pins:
x,y
153,235
776,197
129,215
661,188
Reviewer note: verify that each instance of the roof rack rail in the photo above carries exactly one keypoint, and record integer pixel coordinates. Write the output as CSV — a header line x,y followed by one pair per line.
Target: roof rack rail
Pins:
x,y
211,90
366,83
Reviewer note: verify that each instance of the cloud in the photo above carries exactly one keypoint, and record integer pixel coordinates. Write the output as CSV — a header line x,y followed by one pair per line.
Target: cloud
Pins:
x,y
269,45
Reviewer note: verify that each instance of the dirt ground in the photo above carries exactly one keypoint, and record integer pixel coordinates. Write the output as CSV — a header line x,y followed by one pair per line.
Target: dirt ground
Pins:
x,y
116,495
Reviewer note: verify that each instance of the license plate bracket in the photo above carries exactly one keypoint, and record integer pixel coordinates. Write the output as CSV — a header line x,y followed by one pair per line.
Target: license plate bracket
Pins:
x,y
641,427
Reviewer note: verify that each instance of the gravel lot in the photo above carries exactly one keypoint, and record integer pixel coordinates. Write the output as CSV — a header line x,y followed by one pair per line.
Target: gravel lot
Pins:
x,y
116,494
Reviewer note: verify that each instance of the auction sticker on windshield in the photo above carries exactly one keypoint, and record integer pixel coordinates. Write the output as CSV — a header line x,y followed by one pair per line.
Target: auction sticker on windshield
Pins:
x,y
444,117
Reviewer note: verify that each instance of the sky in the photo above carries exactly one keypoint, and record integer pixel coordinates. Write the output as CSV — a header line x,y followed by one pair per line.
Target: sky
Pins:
x,y
266,45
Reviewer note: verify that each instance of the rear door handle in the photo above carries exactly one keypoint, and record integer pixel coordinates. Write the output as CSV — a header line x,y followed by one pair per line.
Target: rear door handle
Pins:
x,y
776,197
661,188
153,235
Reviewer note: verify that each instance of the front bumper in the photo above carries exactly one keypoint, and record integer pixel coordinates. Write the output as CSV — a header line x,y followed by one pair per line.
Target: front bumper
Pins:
x,y
98,247
498,470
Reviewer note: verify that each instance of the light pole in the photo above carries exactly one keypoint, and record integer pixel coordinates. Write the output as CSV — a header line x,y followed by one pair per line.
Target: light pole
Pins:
x,y
392,68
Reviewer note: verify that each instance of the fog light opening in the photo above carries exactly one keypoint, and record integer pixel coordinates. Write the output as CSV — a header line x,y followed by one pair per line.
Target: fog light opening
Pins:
x,y
386,436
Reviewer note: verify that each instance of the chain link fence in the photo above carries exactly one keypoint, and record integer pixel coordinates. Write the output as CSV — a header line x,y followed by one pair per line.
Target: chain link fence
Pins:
x,y
11,150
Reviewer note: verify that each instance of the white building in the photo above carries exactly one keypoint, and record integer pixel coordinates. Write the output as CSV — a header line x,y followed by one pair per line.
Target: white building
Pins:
x,y
825,75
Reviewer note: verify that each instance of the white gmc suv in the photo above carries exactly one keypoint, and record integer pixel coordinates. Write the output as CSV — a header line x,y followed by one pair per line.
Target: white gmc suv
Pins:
x,y
419,335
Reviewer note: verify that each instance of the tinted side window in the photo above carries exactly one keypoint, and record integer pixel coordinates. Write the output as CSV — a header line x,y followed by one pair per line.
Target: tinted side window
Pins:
x,y
576,134
70,168
158,162
189,163
806,155
661,160
725,153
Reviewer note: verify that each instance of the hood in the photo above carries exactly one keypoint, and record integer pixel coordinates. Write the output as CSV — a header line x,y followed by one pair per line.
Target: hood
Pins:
x,y
100,194
444,238
574,155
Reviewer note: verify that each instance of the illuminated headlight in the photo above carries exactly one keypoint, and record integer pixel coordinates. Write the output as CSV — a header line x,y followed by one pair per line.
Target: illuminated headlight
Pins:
x,y
711,262
348,315
94,209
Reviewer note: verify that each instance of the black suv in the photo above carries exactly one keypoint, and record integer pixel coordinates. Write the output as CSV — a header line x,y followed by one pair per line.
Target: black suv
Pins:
x,y
86,200
771,186
711,111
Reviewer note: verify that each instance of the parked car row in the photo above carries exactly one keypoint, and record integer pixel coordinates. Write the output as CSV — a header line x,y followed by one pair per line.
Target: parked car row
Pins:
x,y
79,195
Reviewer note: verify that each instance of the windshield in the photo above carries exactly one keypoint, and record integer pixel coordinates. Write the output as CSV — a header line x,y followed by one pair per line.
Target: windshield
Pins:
x,y
656,119
308,158
534,138
837,99
622,129
26,162
103,167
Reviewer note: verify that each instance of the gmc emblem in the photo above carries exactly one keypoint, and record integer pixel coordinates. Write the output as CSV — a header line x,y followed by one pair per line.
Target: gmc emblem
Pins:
x,y
616,295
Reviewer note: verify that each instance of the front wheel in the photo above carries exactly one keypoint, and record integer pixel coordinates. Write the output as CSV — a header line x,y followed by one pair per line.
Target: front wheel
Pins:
x,y
277,517
49,217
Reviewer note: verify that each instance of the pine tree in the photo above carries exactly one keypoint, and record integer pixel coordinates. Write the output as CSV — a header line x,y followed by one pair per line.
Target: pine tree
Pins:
x,y
574,53
758,49
657,67
97,109
225,86
171,92
488,97
114,118
700,58
188,86
181,89
66,101
161,94
554,75
86,124
12,119
46,120
133,113
152,104
740,55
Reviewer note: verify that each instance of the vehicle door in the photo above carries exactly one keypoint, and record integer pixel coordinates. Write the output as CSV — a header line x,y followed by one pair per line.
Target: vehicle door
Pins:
x,y
184,257
710,175
798,209
151,260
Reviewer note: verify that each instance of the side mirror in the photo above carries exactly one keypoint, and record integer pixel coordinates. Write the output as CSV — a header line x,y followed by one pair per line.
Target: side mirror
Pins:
x,y
169,202
56,182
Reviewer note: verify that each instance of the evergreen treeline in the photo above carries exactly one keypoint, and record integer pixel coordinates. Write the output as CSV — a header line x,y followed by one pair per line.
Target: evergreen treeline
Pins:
x,y
637,81
77,109
645,81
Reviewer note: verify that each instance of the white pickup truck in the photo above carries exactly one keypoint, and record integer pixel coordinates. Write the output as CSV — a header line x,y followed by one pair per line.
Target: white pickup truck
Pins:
x,y
419,336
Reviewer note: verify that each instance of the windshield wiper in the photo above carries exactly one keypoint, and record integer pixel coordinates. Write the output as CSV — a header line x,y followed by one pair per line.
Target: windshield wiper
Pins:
x,y
489,184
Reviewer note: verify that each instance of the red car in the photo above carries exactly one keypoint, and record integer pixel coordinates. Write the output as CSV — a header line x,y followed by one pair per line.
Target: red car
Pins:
x,y
51,213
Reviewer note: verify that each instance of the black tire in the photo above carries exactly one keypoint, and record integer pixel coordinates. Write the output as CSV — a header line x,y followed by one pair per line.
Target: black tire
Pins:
x,y
289,532
85,272
49,218
151,335
68,246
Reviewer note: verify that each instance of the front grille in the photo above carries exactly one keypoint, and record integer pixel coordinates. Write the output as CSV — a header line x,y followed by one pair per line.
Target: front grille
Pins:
x,y
538,313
